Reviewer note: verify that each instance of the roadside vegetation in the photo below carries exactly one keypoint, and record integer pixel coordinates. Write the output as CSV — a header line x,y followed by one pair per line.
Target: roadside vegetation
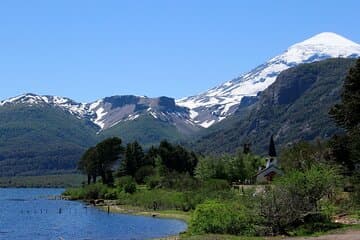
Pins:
x,y
321,181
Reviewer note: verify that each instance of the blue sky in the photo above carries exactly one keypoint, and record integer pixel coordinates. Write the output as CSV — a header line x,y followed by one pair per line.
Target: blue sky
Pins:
x,y
87,50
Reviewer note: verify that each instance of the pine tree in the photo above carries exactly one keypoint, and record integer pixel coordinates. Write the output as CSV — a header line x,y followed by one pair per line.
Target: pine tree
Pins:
x,y
347,113
134,159
109,152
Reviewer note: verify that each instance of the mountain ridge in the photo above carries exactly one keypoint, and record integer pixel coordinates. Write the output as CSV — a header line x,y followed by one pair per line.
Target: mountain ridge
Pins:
x,y
219,102
295,107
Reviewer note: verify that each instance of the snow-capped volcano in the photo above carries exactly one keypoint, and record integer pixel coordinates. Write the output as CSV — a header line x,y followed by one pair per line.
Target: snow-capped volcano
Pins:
x,y
217,103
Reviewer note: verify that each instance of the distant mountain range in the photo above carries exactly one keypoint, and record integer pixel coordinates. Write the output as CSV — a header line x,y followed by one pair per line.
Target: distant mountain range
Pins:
x,y
48,133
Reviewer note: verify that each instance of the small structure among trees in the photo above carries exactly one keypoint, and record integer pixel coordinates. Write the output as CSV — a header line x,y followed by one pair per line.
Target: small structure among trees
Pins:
x,y
272,168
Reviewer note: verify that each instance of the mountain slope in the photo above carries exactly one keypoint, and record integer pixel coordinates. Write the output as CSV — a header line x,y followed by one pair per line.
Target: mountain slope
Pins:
x,y
38,139
112,111
222,101
144,129
294,107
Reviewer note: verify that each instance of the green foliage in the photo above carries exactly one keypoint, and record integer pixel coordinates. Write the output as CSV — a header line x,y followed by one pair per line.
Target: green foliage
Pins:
x,y
346,149
99,160
126,184
303,155
143,172
211,167
177,158
164,199
145,129
89,192
58,180
315,227
88,164
134,159
178,181
240,167
224,218
153,181
347,113
25,130
130,187
295,197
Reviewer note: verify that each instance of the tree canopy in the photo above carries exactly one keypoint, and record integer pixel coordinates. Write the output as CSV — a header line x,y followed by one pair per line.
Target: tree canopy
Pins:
x,y
99,160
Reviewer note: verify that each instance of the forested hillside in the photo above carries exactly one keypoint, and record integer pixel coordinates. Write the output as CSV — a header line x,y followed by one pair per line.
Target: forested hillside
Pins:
x,y
41,139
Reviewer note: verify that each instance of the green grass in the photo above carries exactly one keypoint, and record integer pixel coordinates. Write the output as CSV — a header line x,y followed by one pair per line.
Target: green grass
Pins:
x,y
171,214
63,180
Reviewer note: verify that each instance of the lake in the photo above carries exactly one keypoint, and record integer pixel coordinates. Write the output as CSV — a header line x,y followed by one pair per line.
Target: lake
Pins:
x,y
30,214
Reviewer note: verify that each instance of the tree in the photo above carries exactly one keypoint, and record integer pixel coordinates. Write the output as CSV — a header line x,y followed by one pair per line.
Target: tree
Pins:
x,y
295,197
89,165
176,158
205,168
346,149
347,113
150,156
302,155
236,168
133,160
109,152
99,160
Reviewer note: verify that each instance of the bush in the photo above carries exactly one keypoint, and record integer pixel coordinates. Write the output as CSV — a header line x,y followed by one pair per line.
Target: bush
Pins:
x,y
216,185
111,194
296,197
130,187
92,191
95,191
126,184
164,199
153,181
180,182
144,172
221,218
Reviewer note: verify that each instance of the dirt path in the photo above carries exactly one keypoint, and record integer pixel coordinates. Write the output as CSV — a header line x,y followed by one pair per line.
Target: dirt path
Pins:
x,y
348,235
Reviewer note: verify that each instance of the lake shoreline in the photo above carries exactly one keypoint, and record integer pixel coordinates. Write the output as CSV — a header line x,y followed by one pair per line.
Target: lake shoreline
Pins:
x,y
136,211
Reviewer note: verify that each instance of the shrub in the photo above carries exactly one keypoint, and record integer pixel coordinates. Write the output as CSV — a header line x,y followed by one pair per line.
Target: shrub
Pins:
x,y
95,191
144,172
221,218
130,187
111,194
126,184
179,181
153,181
295,198
216,185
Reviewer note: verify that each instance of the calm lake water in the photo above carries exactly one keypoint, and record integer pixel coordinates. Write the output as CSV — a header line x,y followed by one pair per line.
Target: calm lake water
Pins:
x,y
29,214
